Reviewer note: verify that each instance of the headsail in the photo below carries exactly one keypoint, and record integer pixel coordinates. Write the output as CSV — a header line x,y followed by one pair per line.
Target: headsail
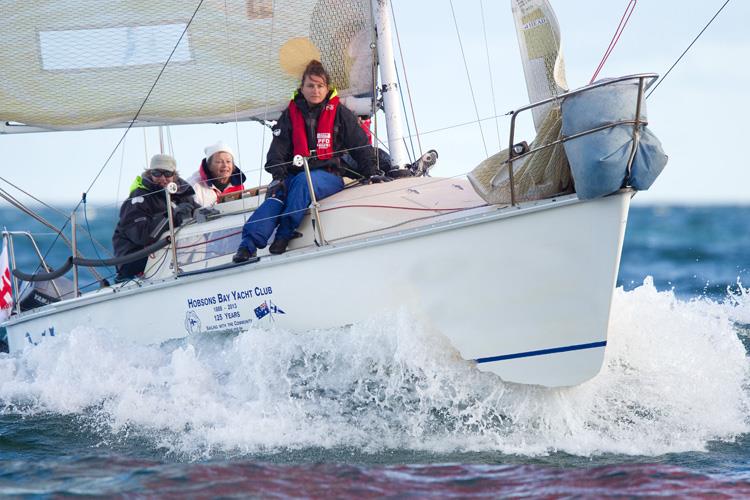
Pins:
x,y
545,172
541,52
85,64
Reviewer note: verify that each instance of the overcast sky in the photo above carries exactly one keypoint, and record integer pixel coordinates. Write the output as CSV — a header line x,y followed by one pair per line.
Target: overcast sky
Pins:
x,y
699,112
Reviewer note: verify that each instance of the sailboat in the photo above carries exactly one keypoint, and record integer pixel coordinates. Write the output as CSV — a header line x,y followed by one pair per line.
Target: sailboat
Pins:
x,y
515,264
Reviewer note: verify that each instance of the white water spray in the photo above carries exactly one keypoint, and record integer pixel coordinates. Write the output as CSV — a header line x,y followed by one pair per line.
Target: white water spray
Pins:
x,y
674,379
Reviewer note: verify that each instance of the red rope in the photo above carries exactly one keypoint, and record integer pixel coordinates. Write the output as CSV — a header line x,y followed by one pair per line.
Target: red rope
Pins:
x,y
419,209
209,241
616,37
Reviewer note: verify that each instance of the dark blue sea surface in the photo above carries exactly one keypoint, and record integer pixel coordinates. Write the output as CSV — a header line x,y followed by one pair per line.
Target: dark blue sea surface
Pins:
x,y
387,409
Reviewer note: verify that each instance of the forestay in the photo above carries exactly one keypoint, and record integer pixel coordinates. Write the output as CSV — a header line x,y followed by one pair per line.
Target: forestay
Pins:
x,y
84,64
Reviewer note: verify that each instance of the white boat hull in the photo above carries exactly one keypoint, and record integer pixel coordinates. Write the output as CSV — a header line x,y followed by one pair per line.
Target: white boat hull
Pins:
x,y
524,291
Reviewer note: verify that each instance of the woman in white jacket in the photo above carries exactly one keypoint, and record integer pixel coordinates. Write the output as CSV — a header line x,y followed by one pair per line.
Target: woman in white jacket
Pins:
x,y
217,175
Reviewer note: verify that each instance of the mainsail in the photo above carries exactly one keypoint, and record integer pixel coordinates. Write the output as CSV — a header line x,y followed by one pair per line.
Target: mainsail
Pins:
x,y
83,64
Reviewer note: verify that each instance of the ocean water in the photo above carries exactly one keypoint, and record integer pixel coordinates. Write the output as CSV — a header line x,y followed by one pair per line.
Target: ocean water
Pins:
x,y
386,408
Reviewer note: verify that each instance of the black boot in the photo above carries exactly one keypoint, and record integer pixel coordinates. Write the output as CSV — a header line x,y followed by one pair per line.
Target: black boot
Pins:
x,y
279,245
243,255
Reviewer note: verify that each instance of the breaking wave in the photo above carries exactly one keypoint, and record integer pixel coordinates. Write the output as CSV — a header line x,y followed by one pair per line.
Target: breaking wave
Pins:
x,y
675,378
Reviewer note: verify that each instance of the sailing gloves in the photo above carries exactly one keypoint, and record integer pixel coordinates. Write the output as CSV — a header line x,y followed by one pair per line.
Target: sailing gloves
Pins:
x,y
276,189
378,176
183,212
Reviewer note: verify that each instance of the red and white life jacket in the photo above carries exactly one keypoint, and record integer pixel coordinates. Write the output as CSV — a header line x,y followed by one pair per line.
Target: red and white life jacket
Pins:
x,y
323,134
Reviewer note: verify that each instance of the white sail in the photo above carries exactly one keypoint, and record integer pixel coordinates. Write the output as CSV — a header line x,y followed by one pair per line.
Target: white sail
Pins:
x,y
541,52
85,64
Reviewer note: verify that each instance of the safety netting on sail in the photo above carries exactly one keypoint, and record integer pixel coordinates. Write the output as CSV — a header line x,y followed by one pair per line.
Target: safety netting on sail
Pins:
x,y
546,172
82,64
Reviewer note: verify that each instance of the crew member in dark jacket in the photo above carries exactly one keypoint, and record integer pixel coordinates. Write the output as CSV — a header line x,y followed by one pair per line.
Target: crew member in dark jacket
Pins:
x,y
314,120
143,214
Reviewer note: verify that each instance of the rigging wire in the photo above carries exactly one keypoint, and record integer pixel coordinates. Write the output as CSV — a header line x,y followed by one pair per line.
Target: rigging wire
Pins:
x,y
408,127
234,83
268,87
464,124
489,69
119,175
145,146
34,215
88,227
468,76
130,125
687,49
408,88
615,38
145,99
32,197
161,140
23,208
170,145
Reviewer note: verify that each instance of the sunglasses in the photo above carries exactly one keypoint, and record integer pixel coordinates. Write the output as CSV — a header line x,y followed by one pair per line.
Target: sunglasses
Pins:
x,y
161,173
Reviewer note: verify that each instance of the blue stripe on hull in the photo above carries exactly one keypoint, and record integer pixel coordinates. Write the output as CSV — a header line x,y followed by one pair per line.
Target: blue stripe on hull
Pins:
x,y
542,352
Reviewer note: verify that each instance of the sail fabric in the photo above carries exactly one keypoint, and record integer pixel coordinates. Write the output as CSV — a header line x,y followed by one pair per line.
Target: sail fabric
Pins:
x,y
82,64
541,53
599,161
542,174
546,172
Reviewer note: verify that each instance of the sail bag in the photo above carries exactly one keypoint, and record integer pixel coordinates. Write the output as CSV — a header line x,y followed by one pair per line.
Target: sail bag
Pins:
x,y
599,161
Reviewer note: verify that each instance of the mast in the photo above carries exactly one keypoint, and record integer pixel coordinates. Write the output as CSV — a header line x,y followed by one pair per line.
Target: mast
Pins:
x,y
389,84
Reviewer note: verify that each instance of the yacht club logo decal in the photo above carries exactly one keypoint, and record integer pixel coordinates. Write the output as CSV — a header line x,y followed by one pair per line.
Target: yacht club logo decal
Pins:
x,y
48,332
233,309
192,322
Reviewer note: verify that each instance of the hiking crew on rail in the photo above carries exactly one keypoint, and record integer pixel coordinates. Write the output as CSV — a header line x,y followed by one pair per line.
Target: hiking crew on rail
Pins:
x,y
143,216
314,119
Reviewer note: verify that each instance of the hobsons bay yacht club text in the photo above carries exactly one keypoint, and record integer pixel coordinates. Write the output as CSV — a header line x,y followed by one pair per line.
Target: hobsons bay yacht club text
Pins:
x,y
232,296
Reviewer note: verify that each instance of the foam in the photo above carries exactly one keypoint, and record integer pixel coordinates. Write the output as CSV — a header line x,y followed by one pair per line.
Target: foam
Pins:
x,y
674,380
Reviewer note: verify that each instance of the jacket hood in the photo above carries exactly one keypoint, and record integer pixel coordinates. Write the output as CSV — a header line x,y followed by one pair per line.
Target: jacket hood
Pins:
x,y
236,179
301,102
143,182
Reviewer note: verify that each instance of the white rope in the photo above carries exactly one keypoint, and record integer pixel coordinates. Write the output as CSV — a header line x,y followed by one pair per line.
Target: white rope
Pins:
x,y
489,69
468,76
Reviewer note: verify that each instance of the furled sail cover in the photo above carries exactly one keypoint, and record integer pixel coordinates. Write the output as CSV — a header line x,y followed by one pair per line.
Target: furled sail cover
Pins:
x,y
541,53
80,64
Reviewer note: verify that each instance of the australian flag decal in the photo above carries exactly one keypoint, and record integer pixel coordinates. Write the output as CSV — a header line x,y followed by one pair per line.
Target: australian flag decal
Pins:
x,y
262,310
